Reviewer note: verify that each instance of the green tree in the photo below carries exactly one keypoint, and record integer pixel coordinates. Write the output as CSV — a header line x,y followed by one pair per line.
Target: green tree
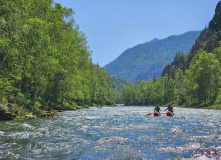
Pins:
x,y
201,83
170,91
128,96
179,94
45,59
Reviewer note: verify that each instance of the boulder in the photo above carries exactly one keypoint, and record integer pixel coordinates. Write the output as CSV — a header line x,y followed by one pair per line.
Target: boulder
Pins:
x,y
2,112
6,116
30,117
2,106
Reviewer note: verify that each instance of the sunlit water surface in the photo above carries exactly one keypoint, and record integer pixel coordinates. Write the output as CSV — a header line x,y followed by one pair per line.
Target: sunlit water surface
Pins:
x,y
114,133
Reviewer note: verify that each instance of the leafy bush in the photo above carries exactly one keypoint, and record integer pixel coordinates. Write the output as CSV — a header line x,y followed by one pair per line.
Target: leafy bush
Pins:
x,y
4,100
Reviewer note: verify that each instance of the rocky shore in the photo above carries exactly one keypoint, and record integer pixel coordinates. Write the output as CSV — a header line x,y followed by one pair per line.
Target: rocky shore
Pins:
x,y
11,112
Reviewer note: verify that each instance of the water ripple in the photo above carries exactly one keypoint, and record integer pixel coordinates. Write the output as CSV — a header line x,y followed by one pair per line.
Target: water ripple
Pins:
x,y
114,133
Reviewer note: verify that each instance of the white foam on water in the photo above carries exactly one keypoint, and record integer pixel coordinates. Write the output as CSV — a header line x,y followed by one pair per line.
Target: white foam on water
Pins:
x,y
199,158
20,135
2,133
25,125
115,132
111,139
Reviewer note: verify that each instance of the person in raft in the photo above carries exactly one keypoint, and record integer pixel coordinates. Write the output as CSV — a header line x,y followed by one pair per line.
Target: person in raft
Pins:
x,y
157,109
170,108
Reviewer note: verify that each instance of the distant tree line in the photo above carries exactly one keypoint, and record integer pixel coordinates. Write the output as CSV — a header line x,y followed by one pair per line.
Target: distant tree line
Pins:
x,y
199,85
118,84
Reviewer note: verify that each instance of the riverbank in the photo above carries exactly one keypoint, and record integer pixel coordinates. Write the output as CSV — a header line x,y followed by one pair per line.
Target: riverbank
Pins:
x,y
4,115
214,107
13,112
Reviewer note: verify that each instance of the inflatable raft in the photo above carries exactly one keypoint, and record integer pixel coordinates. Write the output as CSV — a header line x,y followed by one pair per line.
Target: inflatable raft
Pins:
x,y
170,114
156,114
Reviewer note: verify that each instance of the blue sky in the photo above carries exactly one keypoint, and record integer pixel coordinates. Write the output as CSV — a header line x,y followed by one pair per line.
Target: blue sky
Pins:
x,y
112,26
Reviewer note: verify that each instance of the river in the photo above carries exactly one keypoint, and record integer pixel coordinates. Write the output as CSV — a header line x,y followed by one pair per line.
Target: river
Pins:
x,y
114,133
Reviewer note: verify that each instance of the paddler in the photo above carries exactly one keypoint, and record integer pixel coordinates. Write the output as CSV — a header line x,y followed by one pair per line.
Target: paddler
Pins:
x,y
170,108
157,109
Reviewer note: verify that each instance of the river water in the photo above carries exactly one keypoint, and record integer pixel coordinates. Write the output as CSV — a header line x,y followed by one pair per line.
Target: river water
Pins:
x,y
114,133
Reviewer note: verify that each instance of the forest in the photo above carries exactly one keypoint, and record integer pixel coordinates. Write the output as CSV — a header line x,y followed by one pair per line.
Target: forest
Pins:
x,y
45,64
45,61
197,86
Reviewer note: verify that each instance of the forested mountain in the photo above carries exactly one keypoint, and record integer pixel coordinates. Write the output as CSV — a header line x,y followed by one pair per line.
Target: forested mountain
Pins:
x,y
118,84
45,60
143,60
192,79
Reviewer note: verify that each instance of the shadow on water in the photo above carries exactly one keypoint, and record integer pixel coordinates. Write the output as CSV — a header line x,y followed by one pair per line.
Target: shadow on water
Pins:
x,y
114,133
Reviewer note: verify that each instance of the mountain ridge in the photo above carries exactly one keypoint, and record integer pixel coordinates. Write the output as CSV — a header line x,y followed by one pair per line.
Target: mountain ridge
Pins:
x,y
143,60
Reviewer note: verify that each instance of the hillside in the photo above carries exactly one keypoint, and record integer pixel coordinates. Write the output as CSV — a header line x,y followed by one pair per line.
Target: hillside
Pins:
x,y
118,84
142,61
208,40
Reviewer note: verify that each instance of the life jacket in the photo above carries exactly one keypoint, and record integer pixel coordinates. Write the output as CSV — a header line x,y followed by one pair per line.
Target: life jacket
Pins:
x,y
170,108
157,109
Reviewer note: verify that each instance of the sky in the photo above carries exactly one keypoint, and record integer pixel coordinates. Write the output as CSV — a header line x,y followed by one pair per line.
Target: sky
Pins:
x,y
113,26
